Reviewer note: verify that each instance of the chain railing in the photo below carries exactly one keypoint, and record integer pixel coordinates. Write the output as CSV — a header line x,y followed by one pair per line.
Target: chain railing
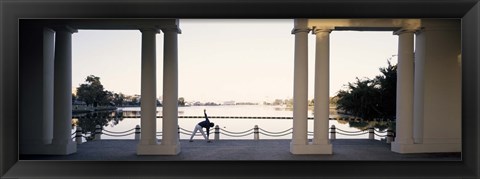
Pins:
x,y
119,133
372,132
276,134
78,136
351,133
188,132
388,135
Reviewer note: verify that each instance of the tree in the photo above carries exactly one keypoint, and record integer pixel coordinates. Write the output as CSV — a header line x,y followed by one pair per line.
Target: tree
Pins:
x,y
289,102
118,99
74,97
135,101
371,98
181,101
278,102
92,92
107,98
388,82
361,99
311,102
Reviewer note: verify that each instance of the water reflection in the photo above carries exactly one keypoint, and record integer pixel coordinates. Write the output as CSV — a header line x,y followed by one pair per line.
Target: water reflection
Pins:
x,y
364,125
112,120
88,121
355,122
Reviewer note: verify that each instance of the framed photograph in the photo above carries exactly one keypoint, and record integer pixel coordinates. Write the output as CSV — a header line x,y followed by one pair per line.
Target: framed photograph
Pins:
x,y
434,55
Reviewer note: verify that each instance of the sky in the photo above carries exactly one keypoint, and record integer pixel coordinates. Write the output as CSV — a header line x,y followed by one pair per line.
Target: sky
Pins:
x,y
228,59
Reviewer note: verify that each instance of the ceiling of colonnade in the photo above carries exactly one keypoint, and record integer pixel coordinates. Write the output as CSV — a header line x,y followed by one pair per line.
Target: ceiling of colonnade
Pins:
x,y
111,24
364,24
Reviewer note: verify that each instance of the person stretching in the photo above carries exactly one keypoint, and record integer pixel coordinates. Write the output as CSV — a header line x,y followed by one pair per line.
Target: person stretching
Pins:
x,y
204,124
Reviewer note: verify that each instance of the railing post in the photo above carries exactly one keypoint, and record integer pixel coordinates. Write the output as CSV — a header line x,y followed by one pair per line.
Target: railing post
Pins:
x,y
333,132
178,131
256,133
78,135
98,132
371,133
137,132
389,135
217,133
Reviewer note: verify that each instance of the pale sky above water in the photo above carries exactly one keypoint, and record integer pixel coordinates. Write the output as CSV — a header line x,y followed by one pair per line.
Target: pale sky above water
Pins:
x,y
220,60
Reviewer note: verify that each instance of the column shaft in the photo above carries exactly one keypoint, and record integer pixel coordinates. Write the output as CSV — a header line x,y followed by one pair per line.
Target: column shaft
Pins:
x,y
148,88
48,84
419,88
405,83
170,144
322,77
170,88
63,92
300,83
36,88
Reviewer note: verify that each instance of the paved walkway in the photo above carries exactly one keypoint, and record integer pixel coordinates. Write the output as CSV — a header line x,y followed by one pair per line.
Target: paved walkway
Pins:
x,y
343,149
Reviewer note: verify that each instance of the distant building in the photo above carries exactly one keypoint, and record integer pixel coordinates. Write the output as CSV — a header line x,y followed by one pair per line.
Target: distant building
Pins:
x,y
81,106
229,103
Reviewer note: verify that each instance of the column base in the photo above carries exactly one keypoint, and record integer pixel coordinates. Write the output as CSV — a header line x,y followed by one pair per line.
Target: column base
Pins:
x,y
33,149
64,149
311,149
426,148
158,149
49,149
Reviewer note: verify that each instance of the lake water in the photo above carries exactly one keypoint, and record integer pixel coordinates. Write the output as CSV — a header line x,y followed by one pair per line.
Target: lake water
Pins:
x,y
116,123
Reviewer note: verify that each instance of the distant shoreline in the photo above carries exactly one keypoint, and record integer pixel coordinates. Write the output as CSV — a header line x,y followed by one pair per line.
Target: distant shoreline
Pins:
x,y
87,109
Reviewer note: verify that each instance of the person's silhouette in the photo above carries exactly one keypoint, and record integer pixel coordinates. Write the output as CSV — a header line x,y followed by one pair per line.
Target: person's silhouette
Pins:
x,y
204,124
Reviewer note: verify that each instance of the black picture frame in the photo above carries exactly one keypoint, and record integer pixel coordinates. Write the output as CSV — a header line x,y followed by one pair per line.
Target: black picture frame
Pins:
x,y
12,11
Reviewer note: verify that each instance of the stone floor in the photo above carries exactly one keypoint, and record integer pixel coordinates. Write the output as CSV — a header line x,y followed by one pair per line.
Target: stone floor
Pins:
x,y
343,150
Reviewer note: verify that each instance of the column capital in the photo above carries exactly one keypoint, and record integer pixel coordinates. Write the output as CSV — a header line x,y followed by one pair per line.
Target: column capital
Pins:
x,y
300,25
405,30
296,30
150,29
64,28
430,29
322,30
420,30
172,29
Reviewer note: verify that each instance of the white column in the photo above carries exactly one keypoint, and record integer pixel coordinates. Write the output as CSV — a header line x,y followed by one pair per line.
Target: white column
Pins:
x,y
36,89
437,88
170,88
405,72
62,142
419,88
300,144
170,144
148,88
322,81
48,85
300,86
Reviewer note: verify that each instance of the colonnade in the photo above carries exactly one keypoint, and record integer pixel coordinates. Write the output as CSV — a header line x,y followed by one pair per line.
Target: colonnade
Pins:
x,y
46,86
428,119
429,88
52,85
320,143
169,144
428,110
